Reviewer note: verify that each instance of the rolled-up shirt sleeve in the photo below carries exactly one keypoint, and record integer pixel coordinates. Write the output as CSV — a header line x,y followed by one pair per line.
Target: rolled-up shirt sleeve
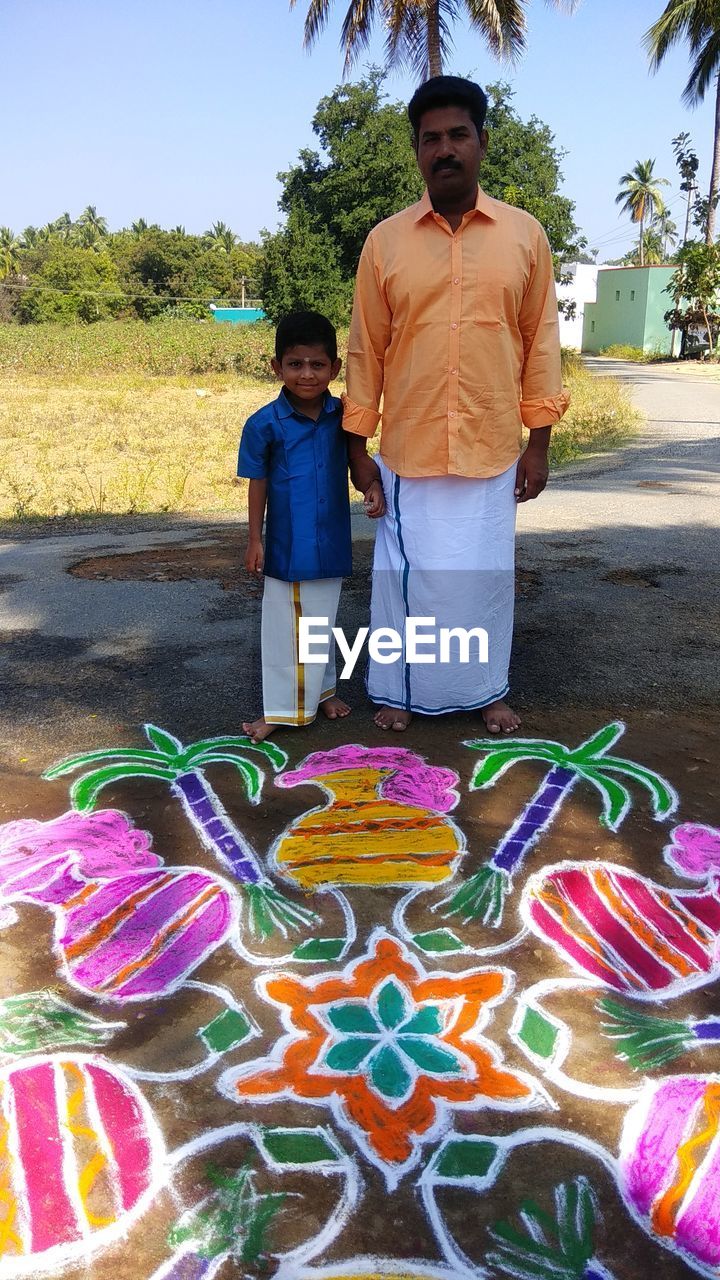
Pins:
x,y
254,452
368,341
544,400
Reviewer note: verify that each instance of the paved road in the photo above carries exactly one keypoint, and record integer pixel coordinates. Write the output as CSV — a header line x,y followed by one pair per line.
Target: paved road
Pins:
x,y
622,556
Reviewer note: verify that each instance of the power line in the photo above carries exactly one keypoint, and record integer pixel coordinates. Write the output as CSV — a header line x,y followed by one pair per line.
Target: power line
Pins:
x,y
112,293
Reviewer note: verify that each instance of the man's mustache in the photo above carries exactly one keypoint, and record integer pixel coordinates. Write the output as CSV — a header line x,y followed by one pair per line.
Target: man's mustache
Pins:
x,y
445,164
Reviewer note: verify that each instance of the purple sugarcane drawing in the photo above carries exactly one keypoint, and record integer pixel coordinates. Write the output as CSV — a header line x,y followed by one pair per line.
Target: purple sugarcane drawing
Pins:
x,y
482,897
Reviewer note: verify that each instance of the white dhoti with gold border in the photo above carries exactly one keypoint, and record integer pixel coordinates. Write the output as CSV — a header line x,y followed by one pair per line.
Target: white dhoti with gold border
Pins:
x,y
293,690
445,549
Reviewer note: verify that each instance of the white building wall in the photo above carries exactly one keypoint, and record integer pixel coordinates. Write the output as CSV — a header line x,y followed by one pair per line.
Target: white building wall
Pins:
x,y
582,288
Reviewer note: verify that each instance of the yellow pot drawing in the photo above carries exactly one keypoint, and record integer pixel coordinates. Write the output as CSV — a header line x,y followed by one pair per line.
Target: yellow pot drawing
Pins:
x,y
373,831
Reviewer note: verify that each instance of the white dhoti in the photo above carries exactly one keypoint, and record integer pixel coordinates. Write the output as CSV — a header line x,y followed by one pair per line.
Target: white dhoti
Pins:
x,y
445,549
293,690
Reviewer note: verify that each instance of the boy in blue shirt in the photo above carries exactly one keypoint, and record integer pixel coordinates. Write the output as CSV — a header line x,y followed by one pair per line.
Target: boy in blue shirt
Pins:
x,y
294,454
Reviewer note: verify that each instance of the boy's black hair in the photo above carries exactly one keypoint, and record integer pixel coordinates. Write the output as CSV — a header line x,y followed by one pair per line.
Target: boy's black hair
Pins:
x,y
305,329
448,91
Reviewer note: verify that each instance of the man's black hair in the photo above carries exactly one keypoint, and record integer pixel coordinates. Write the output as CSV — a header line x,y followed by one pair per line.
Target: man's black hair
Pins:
x,y
448,91
305,329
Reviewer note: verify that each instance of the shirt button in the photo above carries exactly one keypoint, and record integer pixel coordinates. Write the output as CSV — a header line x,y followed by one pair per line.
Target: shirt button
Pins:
x,y
452,413
453,325
453,370
456,280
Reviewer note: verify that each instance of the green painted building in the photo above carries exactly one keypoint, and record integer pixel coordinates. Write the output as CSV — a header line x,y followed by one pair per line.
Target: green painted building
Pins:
x,y
630,306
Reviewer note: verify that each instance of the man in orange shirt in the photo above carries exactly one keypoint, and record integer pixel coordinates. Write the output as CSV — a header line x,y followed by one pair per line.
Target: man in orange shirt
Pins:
x,y
454,342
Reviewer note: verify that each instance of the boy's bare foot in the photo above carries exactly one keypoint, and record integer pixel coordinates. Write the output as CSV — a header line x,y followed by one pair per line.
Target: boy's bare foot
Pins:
x,y
334,708
258,730
392,718
499,717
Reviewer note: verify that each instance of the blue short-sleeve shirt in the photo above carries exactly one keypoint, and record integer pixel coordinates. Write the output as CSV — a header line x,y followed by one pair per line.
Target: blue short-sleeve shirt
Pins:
x,y
307,524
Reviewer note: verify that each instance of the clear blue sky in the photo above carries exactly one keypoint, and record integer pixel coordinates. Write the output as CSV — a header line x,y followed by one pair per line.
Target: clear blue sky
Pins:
x,y
183,113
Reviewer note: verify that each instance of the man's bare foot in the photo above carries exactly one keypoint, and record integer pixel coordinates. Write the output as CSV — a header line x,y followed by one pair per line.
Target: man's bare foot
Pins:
x,y
499,717
334,708
392,718
258,730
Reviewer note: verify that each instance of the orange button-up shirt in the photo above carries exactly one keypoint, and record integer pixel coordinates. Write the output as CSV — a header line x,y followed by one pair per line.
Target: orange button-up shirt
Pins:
x,y
457,335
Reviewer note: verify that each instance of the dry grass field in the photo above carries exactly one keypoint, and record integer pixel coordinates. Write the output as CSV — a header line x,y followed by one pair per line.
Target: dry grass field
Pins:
x,y
118,419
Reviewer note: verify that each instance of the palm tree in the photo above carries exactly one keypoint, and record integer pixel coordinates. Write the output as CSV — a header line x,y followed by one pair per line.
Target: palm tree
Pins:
x,y
64,227
418,31
666,229
91,218
483,895
139,227
639,196
10,247
181,766
221,237
697,22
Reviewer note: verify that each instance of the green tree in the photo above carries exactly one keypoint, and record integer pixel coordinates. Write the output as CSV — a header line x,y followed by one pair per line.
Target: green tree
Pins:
x,y
69,284
696,281
666,229
698,23
10,250
221,237
640,196
366,171
522,167
418,32
64,228
91,219
302,271
687,163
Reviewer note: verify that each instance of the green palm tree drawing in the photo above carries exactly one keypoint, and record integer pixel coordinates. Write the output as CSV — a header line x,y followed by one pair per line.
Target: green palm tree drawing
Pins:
x,y
482,896
640,196
169,760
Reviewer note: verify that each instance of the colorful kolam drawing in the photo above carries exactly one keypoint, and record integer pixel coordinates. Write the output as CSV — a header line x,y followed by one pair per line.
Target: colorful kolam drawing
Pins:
x,y
398,1067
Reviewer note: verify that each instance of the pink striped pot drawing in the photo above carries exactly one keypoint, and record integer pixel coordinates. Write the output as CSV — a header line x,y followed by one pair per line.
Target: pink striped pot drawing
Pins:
x,y
80,1160
127,928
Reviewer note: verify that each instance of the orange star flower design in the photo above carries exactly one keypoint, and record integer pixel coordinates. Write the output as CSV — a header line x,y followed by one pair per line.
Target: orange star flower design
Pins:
x,y
391,1048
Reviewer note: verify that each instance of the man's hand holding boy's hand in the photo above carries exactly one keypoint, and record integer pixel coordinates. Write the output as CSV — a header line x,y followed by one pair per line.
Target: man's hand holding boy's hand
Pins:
x,y
374,500
254,556
363,471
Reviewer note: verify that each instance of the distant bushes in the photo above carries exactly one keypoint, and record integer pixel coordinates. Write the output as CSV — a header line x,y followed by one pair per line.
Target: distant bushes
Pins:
x,y
163,347
621,351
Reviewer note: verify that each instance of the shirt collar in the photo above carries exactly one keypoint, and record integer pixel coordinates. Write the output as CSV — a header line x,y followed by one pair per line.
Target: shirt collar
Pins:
x,y
286,410
483,204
